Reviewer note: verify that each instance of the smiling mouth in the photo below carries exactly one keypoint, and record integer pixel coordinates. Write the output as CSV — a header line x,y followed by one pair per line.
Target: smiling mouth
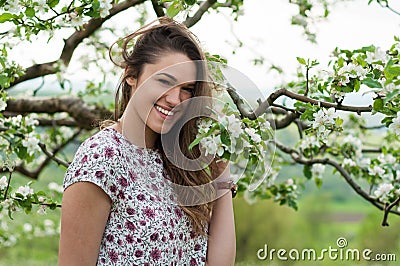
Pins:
x,y
163,111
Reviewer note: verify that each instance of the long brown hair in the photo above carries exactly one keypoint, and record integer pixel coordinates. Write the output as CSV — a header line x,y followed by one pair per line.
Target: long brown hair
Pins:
x,y
146,46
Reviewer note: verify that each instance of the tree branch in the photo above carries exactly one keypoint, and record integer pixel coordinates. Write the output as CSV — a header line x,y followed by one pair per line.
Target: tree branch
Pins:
x,y
190,21
84,115
70,44
240,103
50,156
158,9
299,159
286,120
284,92
57,122
387,210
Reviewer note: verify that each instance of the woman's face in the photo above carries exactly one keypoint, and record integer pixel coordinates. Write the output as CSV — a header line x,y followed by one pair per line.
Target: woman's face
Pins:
x,y
159,92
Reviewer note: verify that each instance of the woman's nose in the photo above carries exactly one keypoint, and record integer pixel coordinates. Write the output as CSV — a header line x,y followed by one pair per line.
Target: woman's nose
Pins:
x,y
173,96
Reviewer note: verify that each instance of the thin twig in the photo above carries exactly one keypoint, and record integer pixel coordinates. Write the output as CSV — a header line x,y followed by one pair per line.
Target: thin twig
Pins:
x,y
387,210
8,185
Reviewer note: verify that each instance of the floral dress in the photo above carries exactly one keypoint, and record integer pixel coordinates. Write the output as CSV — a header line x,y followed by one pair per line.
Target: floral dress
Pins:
x,y
144,226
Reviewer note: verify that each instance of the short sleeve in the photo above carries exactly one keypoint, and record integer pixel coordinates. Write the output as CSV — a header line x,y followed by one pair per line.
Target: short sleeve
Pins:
x,y
95,161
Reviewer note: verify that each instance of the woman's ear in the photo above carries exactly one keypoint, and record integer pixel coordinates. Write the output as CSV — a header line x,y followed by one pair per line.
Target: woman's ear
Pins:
x,y
131,82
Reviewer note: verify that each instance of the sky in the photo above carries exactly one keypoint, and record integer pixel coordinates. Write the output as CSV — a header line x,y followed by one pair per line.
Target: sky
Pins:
x,y
266,31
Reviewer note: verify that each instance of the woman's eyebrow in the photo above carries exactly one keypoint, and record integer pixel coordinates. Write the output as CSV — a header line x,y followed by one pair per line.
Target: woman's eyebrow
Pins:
x,y
168,75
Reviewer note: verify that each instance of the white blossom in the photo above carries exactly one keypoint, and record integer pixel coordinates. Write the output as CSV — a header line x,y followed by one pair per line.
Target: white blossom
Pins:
x,y
253,134
395,125
204,125
317,170
212,145
3,105
383,191
67,132
31,143
41,6
349,162
3,182
330,115
48,223
309,141
55,187
31,121
27,227
351,70
319,119
339,95
6,203
41,210
24,191
322,119
105,7
387,159
14,7
234,126
10,241
377,56
41,199
352,140
364,162
291,183
16,120
390,87
376,171
75,19
249,197
322,133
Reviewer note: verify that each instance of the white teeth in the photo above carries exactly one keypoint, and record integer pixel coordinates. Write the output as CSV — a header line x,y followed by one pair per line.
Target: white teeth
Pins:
x,y
162,110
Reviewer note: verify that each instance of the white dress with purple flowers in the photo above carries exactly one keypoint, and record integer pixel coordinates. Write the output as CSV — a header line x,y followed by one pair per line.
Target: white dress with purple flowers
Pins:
x,y
144,226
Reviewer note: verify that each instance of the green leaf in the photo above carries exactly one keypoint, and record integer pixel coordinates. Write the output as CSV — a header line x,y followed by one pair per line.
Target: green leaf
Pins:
x,y
7,17
30,12
307,171
194,143
378,104
392,71
339,122
190,2
173,10
372,83
225,138
318,182
52,3
357,85
301,60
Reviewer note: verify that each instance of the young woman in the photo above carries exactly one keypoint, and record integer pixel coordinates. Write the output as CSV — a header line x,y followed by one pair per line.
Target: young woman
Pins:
x,y
117,208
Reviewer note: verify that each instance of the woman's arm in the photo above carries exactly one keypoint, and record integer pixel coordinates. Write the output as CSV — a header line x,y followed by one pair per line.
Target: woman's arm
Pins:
x,y
222,240
84,213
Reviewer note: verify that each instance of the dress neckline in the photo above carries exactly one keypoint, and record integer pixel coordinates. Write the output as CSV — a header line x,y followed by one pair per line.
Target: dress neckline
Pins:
x,y
119,134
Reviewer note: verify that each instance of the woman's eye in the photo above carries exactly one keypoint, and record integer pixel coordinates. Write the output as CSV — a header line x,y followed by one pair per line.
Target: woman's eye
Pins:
x,y
188,89
165,82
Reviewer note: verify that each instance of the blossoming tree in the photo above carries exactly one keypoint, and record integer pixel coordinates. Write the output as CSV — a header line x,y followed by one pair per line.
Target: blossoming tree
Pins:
x,y
331,135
